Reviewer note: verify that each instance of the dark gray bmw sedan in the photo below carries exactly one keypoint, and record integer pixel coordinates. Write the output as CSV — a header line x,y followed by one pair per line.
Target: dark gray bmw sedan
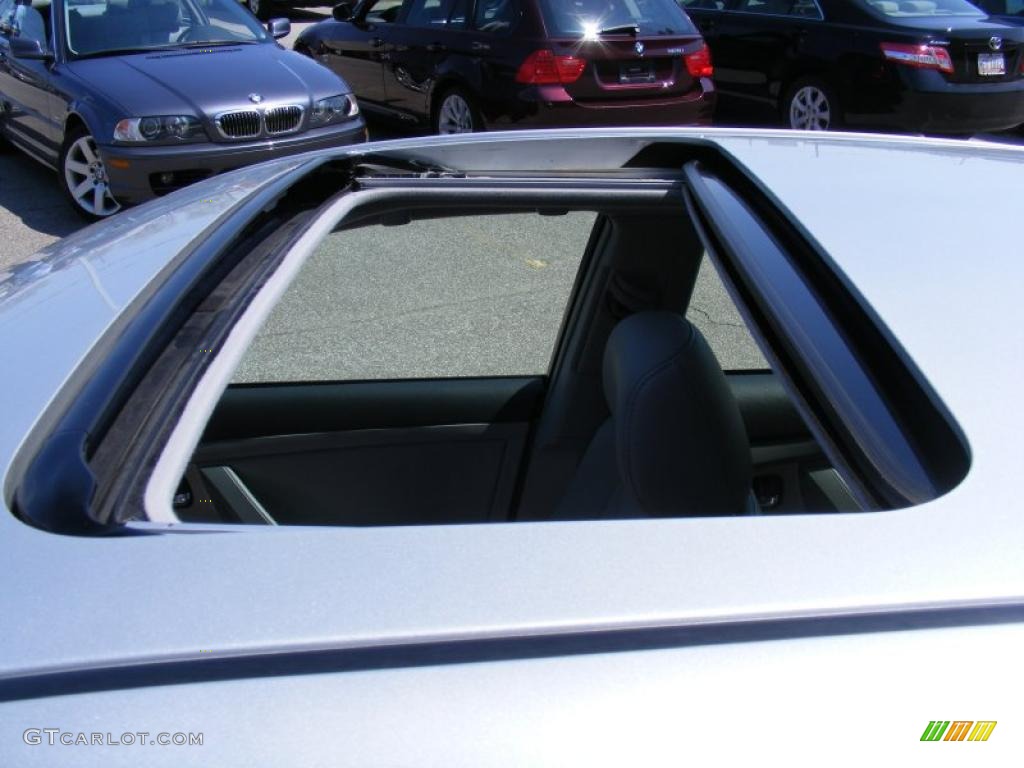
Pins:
x,y
131,99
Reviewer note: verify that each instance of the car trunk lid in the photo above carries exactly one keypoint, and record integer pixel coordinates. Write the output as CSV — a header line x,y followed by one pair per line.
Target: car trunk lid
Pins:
x,y
627,50
631,68
981,50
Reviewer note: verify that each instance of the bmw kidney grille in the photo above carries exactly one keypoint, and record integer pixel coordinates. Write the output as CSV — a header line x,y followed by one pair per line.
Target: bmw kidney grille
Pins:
x,y
251,123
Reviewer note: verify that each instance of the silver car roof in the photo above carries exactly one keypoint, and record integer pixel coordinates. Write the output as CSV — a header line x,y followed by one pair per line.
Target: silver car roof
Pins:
x,y
901,217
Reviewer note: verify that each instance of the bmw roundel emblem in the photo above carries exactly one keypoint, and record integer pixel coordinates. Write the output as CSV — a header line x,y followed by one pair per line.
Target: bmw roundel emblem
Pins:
x,y
995,43
639,48
255,98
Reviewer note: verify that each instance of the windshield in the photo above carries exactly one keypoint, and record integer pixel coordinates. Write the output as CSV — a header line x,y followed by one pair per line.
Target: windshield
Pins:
x,y
97,27
909,8
589,18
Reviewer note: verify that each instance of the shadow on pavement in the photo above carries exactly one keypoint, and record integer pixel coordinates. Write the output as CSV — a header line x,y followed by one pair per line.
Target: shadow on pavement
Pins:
x,y
29,192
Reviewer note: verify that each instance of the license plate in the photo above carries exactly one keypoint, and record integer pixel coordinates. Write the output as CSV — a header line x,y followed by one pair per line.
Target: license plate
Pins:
x,y
639,72
991,64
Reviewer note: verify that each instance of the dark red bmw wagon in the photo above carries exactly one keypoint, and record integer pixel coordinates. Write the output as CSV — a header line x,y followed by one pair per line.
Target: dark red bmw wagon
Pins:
x,y
467,65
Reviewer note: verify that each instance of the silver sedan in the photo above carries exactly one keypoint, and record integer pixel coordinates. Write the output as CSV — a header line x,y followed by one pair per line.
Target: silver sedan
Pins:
x,y
581,447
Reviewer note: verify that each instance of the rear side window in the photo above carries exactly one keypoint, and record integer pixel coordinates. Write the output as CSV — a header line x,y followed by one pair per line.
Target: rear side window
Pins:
x,y
428,13
588,18
703,5
384,11
498,16
460,14
802,8
468,296
912,8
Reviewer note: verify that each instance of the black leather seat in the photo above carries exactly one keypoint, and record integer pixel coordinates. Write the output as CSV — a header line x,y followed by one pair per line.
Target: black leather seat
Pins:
x,y
675,444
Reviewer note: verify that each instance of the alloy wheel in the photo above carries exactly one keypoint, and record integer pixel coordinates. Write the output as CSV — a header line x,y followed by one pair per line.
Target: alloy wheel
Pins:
x,y
86,179
455,115
809,109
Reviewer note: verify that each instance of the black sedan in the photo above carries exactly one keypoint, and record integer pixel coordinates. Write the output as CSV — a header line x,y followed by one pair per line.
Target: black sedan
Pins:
x,y
930,66
131,99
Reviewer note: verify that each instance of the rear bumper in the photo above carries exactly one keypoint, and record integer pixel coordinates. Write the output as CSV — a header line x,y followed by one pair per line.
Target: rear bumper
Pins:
x,y
135,172
926,103
552,107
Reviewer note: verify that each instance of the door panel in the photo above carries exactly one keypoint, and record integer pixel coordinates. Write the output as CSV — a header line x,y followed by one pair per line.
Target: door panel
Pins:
x,y
414,56
355,51
25,85
368,453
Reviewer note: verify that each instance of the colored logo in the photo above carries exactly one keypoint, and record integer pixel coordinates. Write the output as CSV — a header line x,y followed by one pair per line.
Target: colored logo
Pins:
x,y
958,730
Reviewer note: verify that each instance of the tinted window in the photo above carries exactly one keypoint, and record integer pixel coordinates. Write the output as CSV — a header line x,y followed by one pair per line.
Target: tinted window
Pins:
x,y
496,15
922,7
586,18
703,5
384,11
1002,7
460,13
441,298
428,13
804,8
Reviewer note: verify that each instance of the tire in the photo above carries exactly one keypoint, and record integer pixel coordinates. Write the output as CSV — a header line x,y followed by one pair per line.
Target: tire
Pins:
x,y
261,9
83,177
811,105
456,113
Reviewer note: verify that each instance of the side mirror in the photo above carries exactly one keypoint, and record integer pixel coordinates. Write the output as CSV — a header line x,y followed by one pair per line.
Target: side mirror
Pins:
x,y
342,12
29,49
279,28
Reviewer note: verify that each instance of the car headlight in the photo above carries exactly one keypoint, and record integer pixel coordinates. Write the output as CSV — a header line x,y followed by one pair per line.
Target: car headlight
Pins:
x,y
334,110
159,128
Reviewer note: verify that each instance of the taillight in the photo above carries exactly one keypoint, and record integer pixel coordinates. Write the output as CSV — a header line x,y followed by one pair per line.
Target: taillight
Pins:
x,y
921,56
544,68
698,63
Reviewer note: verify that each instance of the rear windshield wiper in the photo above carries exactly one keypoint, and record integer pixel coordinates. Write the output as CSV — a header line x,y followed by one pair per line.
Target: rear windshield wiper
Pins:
x,y
622,29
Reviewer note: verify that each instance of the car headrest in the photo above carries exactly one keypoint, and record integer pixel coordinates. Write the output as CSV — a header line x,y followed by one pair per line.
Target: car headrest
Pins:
x,y
681,447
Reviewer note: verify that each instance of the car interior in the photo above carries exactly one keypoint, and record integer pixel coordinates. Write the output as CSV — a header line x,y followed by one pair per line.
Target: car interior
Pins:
x,y
634,417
